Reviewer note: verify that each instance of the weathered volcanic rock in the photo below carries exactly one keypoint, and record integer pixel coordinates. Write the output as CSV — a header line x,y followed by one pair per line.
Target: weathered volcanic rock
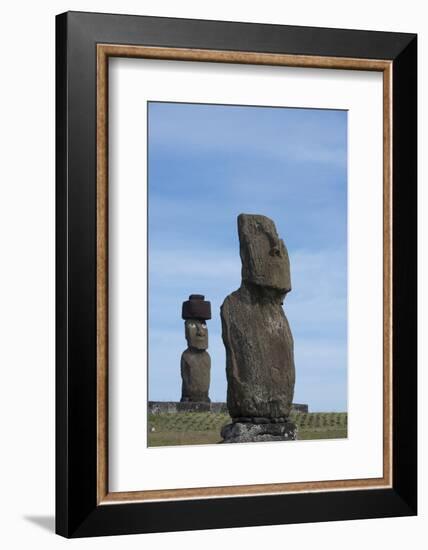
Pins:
x,y
263,254
245,432
195,360
195,373
258,340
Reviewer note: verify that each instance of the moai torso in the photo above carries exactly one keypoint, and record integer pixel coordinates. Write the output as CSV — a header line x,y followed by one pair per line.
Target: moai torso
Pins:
x,y
195,373
195,360
259,344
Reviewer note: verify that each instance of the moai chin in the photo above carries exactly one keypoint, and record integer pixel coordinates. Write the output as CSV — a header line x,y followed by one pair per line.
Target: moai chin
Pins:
x,y
195,360
258,340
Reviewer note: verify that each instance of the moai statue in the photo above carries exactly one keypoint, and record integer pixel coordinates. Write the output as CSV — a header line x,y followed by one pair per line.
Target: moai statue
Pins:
x,y
195,361
256,334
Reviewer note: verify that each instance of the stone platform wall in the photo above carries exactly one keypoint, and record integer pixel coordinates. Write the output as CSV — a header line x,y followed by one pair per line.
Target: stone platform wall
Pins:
x,y
158,407
299,408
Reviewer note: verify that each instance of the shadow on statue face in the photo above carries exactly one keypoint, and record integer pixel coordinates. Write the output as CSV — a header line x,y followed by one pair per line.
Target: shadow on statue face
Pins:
x,y
264,256
196,334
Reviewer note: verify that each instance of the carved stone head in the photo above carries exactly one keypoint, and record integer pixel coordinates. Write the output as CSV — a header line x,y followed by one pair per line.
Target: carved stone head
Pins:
x,y
263,254
196,334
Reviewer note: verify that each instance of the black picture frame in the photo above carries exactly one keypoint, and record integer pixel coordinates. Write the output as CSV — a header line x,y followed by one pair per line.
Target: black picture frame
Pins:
x,y
77,512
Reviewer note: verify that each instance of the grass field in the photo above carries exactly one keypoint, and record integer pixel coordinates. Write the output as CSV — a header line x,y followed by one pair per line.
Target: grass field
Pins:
x,y
204,428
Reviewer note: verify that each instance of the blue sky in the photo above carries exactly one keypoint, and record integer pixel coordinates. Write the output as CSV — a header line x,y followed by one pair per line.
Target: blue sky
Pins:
x,y
209,163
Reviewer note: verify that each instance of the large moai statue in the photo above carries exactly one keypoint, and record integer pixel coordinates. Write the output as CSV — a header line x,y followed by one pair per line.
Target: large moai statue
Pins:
x,y
195,360
258,340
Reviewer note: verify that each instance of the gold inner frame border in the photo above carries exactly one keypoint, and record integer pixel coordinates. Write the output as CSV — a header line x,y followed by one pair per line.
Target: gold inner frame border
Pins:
x,y
104,52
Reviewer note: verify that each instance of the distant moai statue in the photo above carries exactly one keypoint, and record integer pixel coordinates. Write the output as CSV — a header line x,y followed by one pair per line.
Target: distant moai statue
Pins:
x,y
195,360
258,340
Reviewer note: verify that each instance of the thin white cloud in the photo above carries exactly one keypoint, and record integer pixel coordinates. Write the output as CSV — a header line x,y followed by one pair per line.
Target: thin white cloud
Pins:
x,y
195,264
219,131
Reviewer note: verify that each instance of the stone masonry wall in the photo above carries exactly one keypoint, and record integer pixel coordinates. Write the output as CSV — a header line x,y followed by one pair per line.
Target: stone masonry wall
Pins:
x,y
159,407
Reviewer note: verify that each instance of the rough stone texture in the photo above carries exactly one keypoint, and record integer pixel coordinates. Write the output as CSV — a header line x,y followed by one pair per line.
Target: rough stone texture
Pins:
x,y
264,256
245,432
299,408
195,372
196,308
174,407
195,362
258,340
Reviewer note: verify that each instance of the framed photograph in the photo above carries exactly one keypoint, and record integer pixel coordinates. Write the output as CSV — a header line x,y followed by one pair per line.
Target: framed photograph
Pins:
x,y
236,274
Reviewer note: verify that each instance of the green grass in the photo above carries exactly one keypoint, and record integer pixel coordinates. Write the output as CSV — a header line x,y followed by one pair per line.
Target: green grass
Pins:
x,y
204,428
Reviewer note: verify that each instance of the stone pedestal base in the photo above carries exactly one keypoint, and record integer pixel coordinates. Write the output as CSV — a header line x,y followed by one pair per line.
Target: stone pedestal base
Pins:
x,y
267,430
